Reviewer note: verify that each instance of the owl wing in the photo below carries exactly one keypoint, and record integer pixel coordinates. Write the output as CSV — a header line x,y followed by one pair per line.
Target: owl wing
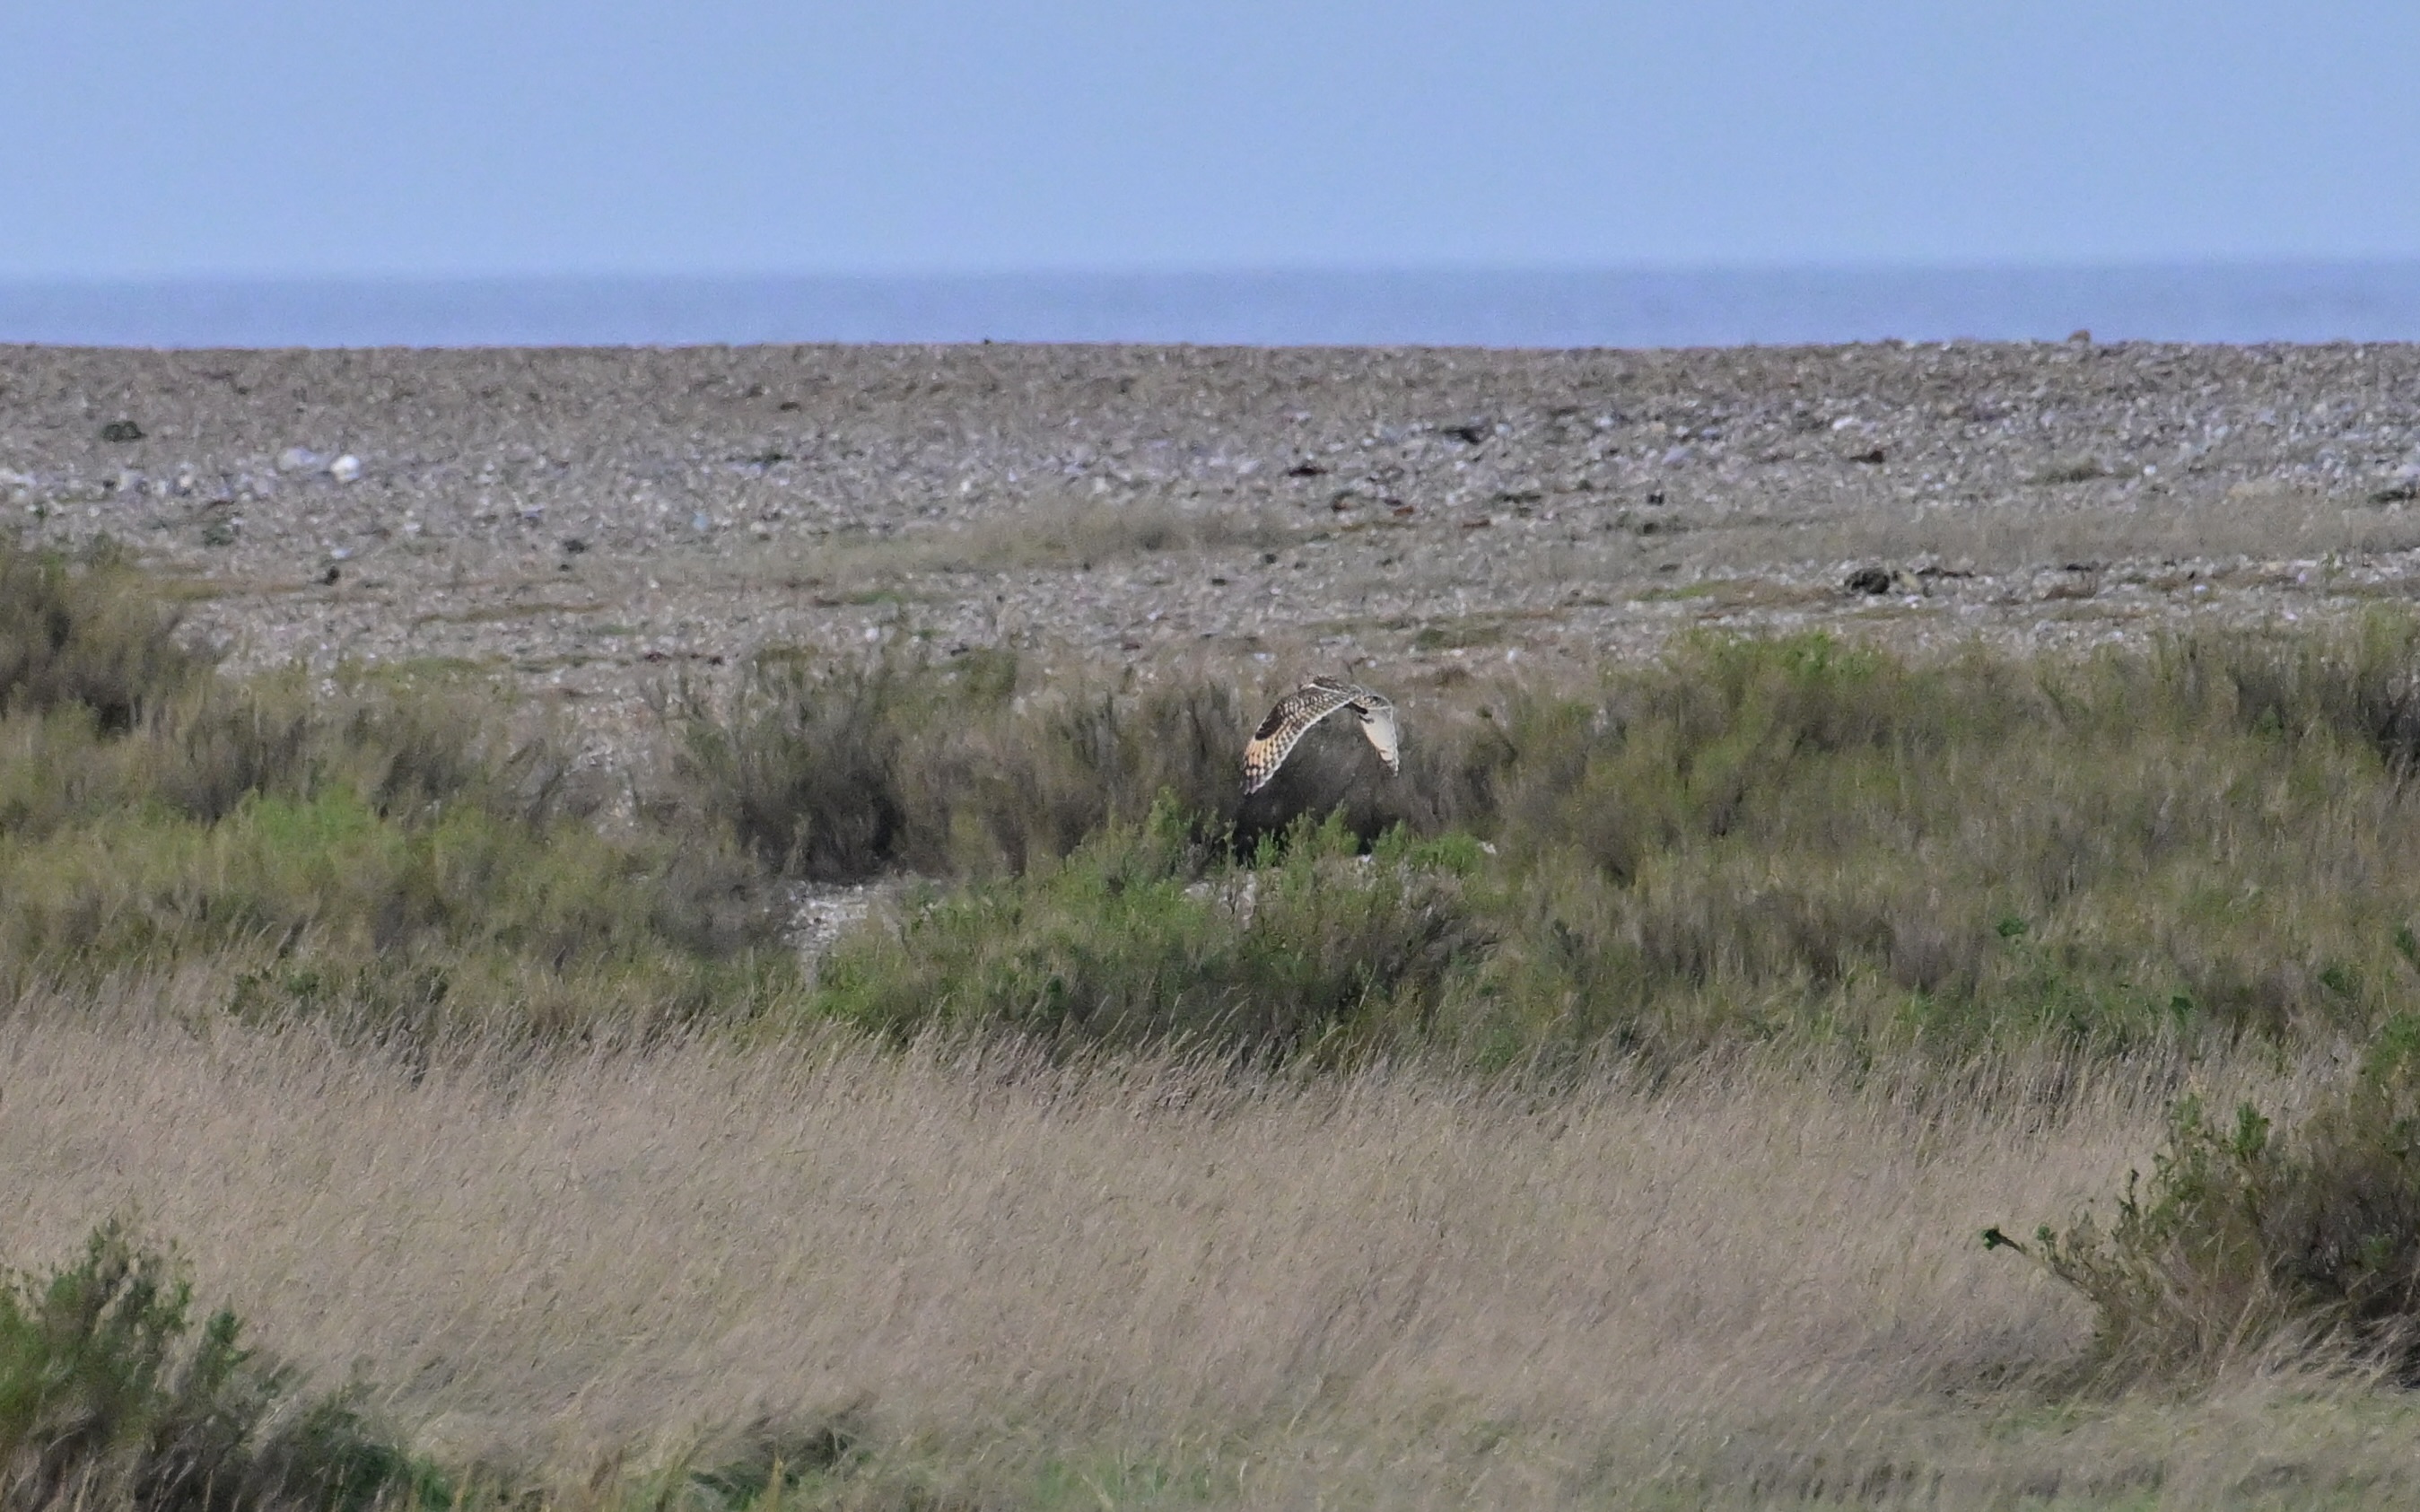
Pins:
x,y
1378,723
1294,713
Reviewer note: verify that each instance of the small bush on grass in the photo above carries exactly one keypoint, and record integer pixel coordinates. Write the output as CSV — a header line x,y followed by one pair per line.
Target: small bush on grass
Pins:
x,y
110,1396
2247,1237
1145,935
86,634
2358,685
1031,785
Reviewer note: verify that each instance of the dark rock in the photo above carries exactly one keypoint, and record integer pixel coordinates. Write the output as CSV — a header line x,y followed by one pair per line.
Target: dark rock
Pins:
x,y
1869,579
121,431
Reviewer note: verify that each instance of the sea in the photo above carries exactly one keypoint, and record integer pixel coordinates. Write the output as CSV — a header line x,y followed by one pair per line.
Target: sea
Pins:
x,y
2281,302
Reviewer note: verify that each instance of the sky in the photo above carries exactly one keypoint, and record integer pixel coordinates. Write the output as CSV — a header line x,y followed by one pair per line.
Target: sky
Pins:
x,y
448,138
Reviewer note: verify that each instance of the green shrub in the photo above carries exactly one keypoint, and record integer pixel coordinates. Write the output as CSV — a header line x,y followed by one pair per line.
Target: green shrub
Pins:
x,y
86,634
839,773
403,859
328,909
2103,851
803,767
1147,935
109,1396
2199,841
2246,1238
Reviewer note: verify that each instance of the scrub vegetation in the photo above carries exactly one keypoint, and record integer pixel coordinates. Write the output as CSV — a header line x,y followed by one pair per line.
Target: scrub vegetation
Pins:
x,y
1151,1146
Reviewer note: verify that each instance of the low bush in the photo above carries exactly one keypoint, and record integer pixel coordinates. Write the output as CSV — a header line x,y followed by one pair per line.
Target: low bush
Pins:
x,y
2105,851
2247,1237
364,852
1146,935
84,634
839,773
2199,841
111,1397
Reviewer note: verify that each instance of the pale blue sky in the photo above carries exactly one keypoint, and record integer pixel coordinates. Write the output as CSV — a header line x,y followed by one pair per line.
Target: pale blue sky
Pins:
x,y
447,138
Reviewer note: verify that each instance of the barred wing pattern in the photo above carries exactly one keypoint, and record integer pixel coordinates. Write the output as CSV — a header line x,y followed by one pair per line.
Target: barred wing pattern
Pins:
x,y
1298,710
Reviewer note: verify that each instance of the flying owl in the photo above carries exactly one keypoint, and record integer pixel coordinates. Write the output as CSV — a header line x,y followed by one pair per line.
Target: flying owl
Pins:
x,y
1298,710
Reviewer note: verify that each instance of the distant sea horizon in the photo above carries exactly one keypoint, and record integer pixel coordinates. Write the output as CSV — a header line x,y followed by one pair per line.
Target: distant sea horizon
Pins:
x,y
1639,308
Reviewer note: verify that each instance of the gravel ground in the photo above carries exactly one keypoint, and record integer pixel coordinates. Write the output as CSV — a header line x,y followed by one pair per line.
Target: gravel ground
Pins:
x,y
585,521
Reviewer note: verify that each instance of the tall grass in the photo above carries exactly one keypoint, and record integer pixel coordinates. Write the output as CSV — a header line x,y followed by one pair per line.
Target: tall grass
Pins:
x,y
995,1282
402,860
2190,843
1951,897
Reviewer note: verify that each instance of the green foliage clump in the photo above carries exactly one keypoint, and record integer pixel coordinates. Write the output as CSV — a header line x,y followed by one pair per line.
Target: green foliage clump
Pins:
x,y
1147,935
84,634
842,773
2246,1238
2201,840
373,853
109,1396
1752,836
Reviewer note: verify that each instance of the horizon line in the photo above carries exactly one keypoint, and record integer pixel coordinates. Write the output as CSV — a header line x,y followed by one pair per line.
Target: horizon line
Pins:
x,y
1895,267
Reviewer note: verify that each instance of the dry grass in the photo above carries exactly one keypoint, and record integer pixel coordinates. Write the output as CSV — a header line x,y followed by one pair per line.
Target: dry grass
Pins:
x,y
641,1213
1085,533
1384,1289
1049,533
2080,522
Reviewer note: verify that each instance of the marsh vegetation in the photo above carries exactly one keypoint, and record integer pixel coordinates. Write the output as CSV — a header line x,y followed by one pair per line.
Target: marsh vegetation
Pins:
x,y
1607,1111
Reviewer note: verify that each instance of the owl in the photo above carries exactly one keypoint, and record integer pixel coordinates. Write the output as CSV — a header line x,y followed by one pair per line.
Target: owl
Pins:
x,y
1298,710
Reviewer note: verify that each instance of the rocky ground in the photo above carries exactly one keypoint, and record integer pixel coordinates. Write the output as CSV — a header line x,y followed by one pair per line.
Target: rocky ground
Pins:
x,y
585,521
